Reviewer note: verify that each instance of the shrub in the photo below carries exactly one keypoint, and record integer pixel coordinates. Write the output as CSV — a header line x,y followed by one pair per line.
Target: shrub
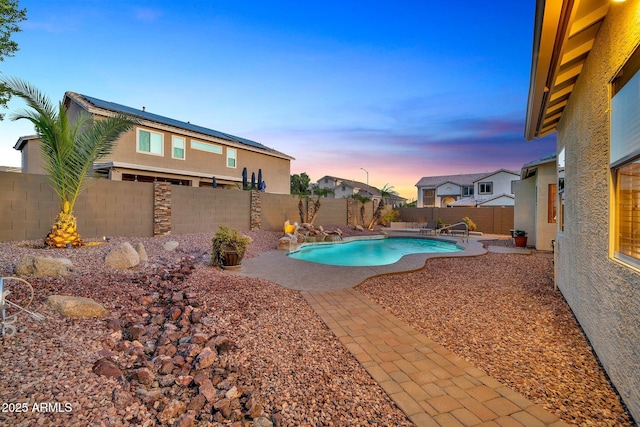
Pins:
x,y
470,224
392,215
227,239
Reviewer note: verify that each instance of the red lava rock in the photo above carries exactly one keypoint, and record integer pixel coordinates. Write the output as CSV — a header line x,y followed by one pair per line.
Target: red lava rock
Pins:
x,y
186,420
172,410
207,390
205,358
136,331
184,380
107,368
199,338
144,376
224,406
200,377
197,403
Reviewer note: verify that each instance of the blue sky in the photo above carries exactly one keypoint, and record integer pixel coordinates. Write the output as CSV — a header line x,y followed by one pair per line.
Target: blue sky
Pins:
x,y
403,89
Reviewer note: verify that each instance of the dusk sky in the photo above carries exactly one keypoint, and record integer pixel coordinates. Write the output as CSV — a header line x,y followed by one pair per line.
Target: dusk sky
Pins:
x,y
403,89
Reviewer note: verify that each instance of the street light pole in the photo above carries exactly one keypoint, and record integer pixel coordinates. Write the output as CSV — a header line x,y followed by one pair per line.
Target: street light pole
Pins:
x,y
367,179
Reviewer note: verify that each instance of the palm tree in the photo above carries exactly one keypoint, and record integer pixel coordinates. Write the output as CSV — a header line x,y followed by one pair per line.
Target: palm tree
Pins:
x,y
385,192
364,200
68,150
320,192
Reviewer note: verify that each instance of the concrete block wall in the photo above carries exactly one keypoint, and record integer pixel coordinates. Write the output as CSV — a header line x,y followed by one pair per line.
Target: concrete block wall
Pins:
x,y
28,207
203,209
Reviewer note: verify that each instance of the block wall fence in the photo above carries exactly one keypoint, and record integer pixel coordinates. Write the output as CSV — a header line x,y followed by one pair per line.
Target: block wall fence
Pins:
x,y
28,207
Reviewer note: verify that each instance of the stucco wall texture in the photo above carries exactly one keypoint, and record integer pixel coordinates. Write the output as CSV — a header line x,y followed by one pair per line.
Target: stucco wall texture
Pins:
x,y
603,293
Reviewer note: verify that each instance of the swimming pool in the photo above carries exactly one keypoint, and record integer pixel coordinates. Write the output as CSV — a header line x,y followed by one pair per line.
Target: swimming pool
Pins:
x,y
360,253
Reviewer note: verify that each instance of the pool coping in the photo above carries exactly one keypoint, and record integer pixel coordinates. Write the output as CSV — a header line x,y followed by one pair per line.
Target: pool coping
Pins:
x,y
301,275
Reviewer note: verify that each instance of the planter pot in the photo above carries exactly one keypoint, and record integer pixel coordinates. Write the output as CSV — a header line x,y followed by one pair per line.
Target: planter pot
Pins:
x,y
231,259
521,241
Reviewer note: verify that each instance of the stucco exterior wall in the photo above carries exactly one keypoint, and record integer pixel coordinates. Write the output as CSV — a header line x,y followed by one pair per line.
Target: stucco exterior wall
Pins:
x,y
545,230
603,293
524,209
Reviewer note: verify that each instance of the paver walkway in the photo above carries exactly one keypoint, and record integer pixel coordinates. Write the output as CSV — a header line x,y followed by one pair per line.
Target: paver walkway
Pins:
x,y
433,386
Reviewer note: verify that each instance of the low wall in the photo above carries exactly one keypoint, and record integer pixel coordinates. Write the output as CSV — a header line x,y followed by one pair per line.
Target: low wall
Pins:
x,y
490,220
28,207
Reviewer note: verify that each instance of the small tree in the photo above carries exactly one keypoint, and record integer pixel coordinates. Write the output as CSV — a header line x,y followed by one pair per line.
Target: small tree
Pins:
x,y
363,200
319,192
385,192
300,183
68,150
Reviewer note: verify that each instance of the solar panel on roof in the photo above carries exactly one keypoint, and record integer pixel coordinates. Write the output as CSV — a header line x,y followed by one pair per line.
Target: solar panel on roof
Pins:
x,y
112,106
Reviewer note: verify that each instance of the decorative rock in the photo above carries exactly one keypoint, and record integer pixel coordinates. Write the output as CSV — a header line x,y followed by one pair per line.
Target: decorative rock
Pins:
x,y
144,376
142,252
122,257
71,306
171,245
224,406
106,368
197,403
206,358
40,266
186,420
172,410
206,389
359,228
262,422
232,393
184,380
284,243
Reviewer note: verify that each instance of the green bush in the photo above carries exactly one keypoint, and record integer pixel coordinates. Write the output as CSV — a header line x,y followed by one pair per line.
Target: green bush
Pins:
x,y
392,215
470,224
227,239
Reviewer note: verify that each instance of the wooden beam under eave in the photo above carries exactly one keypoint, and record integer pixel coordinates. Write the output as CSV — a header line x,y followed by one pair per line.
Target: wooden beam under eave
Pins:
x,y
578,51
569,74
555,107
561,93
590,19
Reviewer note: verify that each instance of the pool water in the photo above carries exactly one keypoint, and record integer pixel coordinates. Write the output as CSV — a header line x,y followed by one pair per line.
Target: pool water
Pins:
x,y
362,253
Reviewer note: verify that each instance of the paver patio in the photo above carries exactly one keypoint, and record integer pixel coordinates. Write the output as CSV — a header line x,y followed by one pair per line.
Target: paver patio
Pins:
x,y
433,386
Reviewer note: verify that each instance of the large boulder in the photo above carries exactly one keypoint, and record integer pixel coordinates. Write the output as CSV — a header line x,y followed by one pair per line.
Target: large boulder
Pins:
x,y
41,266
142,252
122,257
71,306
171,246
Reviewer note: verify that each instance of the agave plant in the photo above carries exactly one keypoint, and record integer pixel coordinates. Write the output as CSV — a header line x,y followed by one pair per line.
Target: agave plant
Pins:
x,y
68,150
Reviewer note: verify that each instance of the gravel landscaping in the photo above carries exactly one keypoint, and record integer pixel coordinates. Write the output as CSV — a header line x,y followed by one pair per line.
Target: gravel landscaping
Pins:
x,y
185,343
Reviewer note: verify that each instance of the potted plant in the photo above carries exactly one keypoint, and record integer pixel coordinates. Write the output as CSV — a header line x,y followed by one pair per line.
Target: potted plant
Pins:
x,y
520,238
228,247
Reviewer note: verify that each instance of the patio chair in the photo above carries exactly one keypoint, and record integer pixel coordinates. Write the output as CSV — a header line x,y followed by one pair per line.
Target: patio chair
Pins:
x,y
428,227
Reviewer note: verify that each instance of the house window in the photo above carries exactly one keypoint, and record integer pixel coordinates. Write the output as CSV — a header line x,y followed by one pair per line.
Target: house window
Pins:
x,y
513,186
485,188
551,203
203,146
150,142
428,197
177,147
467,191
625,160
231,157
344,188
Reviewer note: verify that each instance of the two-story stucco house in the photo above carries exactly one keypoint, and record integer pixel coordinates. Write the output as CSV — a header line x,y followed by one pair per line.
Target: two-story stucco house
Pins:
x,y
163,149
343,188
585,85
473,189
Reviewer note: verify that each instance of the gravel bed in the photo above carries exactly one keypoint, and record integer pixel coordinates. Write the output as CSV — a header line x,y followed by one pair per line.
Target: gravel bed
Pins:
x,y
283,356
501,314
283,359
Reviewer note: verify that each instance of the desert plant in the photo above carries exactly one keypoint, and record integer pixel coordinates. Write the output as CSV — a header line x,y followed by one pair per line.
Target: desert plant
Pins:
x,y
363,200
392,215
519,233
471,226
439,223
227,239
69,150
385,192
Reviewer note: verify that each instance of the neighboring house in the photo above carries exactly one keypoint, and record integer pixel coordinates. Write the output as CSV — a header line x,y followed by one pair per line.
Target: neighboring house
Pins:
x,y
585,85
164,149
473,189
535,209
343,188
